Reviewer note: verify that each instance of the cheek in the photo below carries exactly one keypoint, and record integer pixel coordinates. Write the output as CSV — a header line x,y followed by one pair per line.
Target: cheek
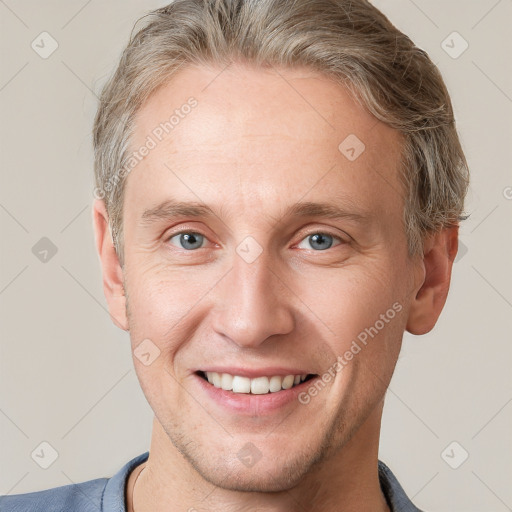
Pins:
x,y
164,311
160,299
357,303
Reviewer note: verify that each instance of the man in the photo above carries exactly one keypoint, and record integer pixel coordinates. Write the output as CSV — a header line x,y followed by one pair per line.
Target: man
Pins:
x,y
279,186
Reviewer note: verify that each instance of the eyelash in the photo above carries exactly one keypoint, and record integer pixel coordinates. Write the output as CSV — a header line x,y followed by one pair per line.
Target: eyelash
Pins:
x,y
188,231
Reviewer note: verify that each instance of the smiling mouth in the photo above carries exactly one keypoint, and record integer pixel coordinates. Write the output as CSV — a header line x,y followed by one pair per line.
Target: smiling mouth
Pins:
x,y
257,386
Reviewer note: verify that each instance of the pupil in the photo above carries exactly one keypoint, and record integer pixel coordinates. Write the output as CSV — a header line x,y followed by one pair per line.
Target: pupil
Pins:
x,y
193,239
319,239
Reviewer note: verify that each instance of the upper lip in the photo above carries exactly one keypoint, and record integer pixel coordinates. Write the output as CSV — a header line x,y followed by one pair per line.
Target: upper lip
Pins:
x,y
252,373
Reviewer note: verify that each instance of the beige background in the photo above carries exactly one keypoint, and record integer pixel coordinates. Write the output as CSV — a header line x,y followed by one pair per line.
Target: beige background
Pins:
x,y
67,376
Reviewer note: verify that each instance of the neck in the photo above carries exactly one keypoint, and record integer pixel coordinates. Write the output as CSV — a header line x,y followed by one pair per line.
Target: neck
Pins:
x,y
347,481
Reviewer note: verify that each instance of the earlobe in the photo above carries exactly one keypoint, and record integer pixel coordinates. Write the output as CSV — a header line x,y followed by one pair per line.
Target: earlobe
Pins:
x,y
430,295
113,286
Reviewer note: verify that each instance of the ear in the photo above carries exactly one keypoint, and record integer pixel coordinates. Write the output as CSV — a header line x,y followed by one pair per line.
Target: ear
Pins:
x,y
111,268
430,295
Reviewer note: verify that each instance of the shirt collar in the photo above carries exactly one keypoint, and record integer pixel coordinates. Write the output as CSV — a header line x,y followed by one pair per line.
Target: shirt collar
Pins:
x,y
114,493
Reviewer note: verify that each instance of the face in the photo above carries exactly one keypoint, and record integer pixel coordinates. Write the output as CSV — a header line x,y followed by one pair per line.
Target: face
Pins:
x,y
256,248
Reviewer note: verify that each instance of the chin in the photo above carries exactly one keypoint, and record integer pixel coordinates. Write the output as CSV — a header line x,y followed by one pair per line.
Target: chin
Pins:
x,y
276,468
273,477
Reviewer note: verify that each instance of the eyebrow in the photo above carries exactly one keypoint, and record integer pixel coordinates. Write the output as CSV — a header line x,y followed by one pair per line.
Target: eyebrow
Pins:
x,y
170,209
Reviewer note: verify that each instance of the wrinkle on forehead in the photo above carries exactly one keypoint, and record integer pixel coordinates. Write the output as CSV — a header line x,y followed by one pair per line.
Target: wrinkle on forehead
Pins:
x,y
264,136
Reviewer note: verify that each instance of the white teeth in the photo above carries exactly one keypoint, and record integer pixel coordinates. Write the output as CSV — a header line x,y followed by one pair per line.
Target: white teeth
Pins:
x,y
241,384
226,381
260,385
288,382
256,386
275,383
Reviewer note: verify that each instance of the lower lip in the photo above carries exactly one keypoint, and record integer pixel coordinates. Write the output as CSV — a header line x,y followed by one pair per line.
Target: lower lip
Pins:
x,y
251,404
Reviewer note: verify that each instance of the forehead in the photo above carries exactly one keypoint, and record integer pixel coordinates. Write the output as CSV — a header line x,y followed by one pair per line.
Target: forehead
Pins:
x,y
262,132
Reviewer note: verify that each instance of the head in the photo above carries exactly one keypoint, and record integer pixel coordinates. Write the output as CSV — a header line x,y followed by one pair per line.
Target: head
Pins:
x,y
279,185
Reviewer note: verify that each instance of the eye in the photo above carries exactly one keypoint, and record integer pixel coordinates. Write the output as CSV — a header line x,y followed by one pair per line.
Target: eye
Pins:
x,y
188,240
320,241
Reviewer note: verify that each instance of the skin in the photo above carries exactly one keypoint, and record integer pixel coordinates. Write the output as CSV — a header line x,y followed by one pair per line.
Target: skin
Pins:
x,y
258,142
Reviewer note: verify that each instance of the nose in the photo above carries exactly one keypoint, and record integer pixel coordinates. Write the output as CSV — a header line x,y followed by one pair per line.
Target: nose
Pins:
x,y
252,303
